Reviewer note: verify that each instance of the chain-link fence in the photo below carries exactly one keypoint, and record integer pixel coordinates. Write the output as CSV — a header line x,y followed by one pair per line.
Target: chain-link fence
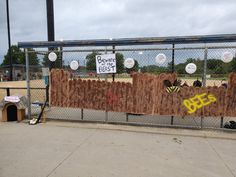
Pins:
x,y
211,71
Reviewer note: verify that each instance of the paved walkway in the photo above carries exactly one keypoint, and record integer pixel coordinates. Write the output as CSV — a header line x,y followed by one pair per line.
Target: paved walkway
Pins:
x,y
60,149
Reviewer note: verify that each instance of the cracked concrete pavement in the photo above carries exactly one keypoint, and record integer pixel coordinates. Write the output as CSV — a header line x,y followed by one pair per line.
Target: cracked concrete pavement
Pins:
x,y
61,149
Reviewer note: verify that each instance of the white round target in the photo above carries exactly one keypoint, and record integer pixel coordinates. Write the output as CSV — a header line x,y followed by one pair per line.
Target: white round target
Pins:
x,y
161,58
52,56
227,57
74,65
129,63
191,68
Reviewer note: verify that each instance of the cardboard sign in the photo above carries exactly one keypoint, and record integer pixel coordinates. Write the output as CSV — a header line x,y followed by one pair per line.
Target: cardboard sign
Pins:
x,y
106,63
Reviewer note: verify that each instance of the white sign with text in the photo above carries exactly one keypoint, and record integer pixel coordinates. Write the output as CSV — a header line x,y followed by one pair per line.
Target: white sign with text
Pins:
x,y
106,63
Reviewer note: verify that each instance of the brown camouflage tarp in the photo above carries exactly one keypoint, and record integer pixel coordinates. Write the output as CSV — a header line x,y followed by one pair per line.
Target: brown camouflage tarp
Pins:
x,y
146,95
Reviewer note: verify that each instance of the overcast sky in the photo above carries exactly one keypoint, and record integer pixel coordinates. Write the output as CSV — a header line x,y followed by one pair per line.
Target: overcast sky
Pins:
x,y
96,19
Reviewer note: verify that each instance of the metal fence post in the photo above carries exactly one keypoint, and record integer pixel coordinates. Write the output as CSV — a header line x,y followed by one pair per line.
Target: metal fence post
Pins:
x,y
8,91
82,114
204,68
204,76
172,71
28,83
113,51
221,122
106,80
127,117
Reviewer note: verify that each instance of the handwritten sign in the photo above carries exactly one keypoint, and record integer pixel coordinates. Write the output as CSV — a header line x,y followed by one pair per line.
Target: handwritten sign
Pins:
x,y
198,101
106,63
12,99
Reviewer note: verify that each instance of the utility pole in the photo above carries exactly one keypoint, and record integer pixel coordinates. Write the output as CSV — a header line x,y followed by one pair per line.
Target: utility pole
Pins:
x,y
9,40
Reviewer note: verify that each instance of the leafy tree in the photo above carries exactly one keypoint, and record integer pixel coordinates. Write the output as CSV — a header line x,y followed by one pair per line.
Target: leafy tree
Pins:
x,y
232,67
214,63
154,69
33,58
119,63
16,54
91,62
18,57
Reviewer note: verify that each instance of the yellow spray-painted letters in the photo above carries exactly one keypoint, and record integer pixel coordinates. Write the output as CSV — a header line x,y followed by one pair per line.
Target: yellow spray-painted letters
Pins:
x,y
198,101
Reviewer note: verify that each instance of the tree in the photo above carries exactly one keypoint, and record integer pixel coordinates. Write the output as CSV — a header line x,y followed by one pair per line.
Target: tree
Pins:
x,y
18,57
232,67
154,69
91,62
16,54
119,63
33,58
214,63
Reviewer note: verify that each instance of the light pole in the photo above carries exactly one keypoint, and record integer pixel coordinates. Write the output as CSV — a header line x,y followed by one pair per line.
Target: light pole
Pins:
x,y
9,39
51,34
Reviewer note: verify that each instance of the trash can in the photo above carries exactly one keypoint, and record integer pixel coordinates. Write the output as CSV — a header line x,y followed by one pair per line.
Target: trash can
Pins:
x,y
13,108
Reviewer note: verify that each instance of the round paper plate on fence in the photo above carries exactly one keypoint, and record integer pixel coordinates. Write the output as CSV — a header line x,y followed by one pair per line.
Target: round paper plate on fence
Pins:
x,y
161,58
74,65
191,68
52,56
227,57
129,63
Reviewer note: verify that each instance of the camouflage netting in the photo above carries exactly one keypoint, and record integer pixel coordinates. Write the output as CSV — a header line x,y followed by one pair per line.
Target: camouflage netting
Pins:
x,y
146,95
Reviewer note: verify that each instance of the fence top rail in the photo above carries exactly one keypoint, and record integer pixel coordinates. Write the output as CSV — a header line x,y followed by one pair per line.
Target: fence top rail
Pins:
x,y
44,52
132,41
34,88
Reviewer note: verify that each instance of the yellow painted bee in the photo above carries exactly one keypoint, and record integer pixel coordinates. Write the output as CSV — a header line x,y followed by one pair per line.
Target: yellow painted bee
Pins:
x,y
171,88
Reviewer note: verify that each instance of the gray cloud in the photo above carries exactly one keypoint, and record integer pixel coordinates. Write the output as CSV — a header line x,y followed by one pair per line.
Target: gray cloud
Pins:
x,y
86,19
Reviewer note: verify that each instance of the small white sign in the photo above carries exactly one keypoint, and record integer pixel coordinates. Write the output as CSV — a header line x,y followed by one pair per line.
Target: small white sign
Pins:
x,y
52,56
227,57
45,71
129,63
74,65
12,99
106,63
191,68
161,58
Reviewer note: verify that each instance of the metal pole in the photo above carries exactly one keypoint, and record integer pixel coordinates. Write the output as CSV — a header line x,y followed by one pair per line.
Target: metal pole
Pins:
x,y
127,117
173,59
82,114
61,56
113,75
28,83
221,122
201,122
50,26
106,80
172,71
204,68
51,34
50,20
9,39
8,91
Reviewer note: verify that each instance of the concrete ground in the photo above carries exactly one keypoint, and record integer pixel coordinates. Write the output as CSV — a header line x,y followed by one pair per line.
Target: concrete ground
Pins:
x,y
63,149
